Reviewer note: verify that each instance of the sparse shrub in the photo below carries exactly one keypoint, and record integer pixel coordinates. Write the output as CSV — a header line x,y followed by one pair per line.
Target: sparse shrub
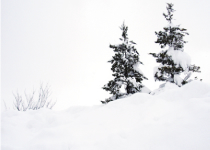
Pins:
x,y
31,101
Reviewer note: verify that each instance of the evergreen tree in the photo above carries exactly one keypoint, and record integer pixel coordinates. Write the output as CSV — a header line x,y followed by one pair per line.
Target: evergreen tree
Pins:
x,y
125,69
173,61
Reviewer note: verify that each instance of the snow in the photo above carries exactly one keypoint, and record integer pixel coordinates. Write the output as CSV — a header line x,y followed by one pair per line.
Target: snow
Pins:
x,y
133,81
163,87
145,89
171,25
178,80
136,67
175,118
179,57
156,70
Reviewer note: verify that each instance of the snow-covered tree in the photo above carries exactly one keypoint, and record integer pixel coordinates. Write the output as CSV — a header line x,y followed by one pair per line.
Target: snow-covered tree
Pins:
x,y
125,67
173,60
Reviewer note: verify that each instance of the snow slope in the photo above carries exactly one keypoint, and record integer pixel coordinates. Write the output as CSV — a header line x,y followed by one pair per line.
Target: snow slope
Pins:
x,y
172,119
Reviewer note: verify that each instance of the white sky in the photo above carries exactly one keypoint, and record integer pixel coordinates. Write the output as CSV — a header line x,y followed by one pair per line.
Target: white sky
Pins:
x,y
66,43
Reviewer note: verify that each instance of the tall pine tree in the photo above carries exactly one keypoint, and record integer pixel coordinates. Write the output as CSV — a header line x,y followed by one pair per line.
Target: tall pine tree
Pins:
x,y
125,69
173,61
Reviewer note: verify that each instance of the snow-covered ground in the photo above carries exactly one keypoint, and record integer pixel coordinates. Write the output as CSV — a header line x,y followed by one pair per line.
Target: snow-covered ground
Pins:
x,y
172,119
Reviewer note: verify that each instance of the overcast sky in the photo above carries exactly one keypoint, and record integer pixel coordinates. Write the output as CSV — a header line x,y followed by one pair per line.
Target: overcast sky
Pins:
x,y
66,43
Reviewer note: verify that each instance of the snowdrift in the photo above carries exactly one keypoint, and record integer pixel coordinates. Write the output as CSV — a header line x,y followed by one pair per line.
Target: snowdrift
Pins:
x,y
172,119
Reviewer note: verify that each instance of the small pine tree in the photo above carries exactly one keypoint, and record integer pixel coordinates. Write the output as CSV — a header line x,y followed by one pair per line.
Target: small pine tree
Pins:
x,y
125,69
173,61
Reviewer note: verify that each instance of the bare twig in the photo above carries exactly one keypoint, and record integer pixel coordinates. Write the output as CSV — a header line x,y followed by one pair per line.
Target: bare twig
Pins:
x,y
31,103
